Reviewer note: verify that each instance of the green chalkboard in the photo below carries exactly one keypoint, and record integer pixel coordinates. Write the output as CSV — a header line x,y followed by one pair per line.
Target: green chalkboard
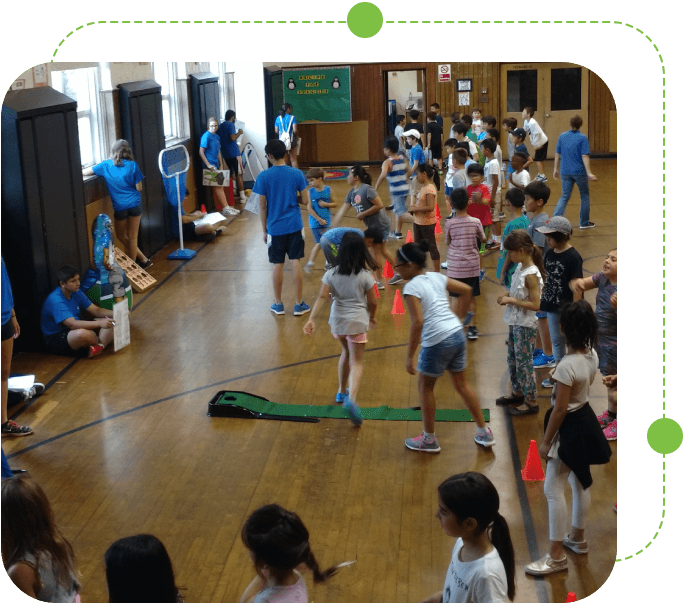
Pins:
x,y
318,95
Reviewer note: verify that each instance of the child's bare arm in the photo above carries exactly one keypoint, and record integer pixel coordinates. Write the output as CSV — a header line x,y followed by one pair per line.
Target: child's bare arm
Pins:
x,y
383,174
328,204
581,285
528,162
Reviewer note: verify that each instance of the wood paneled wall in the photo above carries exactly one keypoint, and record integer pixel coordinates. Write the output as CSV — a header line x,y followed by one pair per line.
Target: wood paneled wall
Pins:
x,y
368,103
601,104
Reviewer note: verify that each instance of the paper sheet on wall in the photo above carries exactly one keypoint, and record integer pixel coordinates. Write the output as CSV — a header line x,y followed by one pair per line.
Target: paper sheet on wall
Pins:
x,y
122,326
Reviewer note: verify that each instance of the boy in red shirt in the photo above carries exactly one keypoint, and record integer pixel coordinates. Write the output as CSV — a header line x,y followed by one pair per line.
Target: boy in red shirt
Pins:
x,y
479,200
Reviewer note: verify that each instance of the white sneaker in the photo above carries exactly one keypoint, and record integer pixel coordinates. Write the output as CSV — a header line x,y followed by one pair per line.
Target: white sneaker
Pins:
x,y
226,211
307,267
443,265
243,197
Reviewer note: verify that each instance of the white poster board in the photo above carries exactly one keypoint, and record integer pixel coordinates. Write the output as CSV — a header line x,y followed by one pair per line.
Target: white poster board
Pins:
x,y
122,326
215,178
463,99
213,218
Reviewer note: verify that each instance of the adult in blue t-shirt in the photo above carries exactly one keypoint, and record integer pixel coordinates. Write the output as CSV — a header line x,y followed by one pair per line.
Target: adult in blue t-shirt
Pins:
x,y
124,183
64,332
281,220
286,122
230,149
212,159
572,153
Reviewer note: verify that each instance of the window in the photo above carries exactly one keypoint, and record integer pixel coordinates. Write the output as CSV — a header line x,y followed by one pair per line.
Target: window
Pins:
x,y
566,89
83,85
226,83
165,74
521,90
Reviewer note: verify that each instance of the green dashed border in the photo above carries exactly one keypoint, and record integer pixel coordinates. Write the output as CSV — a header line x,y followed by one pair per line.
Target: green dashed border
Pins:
x,y
465,22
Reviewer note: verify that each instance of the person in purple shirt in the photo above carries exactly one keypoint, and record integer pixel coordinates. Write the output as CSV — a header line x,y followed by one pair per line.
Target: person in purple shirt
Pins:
x,y
572,154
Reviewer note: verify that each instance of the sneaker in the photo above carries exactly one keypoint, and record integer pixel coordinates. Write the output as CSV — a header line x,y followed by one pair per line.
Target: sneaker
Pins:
x,y
473,333
36,390
10,428
546,566
541,178
396,235
394,280
340,397
502,216
278,309
389,208
579,547
328,266
486,439
443,265
243,197
301,309
145,265
95,349
543,361
226,211
589,225
610,431
450,216
380,284
354,412
419,443
604,419
482,274
537,352
547,383
492,244
308,267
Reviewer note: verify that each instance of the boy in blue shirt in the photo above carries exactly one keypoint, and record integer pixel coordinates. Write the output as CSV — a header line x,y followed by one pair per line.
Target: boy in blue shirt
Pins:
x,y
64,332
319,211
281,221
230,150
416,157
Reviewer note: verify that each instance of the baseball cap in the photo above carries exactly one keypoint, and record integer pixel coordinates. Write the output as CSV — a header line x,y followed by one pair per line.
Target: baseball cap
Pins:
x,y
414,133
519,132
556,224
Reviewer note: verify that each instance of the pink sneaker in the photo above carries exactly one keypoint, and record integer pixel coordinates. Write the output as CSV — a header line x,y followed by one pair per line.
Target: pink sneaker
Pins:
x,y
610,431
604,419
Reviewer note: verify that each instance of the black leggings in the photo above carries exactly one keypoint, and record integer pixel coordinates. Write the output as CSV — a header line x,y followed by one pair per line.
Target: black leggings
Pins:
x,y
427,232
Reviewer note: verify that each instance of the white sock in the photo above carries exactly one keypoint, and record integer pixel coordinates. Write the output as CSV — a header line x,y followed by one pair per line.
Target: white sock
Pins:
x,y
428,436
482,431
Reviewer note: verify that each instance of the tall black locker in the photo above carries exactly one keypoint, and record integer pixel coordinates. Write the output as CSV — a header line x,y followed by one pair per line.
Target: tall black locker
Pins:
x,y
204,90
142,125
43,205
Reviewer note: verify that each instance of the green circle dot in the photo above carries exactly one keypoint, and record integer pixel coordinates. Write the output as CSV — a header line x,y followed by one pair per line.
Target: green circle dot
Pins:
x,y
364,20
665,435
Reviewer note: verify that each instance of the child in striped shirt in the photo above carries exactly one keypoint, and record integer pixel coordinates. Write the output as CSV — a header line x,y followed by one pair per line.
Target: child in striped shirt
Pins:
x,y
464,234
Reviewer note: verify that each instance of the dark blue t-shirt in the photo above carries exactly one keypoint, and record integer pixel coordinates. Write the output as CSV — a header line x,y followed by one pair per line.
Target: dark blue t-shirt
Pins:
x,y
571,146
121,181
229,147
7,300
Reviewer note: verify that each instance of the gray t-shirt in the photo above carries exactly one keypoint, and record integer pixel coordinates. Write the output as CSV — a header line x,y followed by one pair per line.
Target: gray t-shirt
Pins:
x,y
349,312
361,200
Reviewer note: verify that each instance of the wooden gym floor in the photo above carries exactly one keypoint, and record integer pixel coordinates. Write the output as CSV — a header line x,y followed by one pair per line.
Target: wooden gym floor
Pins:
x,y
123,444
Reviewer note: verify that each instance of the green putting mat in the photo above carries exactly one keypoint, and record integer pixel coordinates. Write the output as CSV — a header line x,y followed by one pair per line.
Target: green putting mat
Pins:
x,y
229,404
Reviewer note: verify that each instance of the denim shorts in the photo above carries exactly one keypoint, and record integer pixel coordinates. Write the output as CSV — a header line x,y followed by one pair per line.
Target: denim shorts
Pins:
x,y
449,354
399,203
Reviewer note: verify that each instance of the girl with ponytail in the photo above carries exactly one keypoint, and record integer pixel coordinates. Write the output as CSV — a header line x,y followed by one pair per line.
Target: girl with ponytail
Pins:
x,y
278,542
482,567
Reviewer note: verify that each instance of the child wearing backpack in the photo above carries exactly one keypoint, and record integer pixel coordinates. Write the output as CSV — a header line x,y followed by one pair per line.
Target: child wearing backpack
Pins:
x,y
286,131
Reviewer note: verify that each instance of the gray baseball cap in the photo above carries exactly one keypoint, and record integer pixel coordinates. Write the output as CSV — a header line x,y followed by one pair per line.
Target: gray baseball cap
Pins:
x,y
556,224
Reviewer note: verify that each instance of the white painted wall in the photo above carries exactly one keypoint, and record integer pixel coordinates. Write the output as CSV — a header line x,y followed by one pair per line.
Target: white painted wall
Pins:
x,y
399,85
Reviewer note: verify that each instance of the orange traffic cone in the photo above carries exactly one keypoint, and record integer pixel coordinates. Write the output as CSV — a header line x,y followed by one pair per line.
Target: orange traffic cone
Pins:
x,y
375,287
438,229
388,273
571,597
398,305
533,469
409,236
204,209
437,214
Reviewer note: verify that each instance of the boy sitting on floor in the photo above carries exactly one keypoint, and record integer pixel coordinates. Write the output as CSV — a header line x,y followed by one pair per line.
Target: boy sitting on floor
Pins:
x,y
64,332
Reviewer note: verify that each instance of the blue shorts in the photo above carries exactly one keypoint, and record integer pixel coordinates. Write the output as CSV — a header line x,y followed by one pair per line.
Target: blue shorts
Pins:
x,y
449,355
448,190
318,233
541,314
291,244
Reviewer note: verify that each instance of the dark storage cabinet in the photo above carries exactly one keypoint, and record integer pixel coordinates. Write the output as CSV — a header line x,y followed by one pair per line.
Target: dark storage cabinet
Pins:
x,y
204,91
142,125
43,206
